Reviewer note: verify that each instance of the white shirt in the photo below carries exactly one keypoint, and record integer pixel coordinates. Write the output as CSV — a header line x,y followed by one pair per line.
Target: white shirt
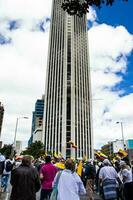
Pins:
x,y
70,186
127,175
2,158
108,172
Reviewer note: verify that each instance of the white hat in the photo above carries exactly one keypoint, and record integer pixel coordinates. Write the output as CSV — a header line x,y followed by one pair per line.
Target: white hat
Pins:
x,y
106,162
122,163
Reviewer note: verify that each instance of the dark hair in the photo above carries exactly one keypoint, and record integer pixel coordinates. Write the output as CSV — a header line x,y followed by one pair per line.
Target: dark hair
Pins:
x,y
70,164
26,161
48,159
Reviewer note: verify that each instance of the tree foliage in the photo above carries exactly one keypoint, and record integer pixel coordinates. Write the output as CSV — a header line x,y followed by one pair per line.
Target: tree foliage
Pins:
x,y
76,7
35,149
6,150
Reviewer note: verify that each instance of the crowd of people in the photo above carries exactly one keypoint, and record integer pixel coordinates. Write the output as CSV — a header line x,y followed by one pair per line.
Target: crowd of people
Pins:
x,y
57,178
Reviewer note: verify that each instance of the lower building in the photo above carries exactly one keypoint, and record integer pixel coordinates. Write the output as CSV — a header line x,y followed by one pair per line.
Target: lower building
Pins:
x,y
130,149
37,135
18,147
37,121
107,149
113,147
37,117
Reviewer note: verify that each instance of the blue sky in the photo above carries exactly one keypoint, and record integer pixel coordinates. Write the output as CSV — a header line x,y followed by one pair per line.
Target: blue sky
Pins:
x,y
120,13
24,33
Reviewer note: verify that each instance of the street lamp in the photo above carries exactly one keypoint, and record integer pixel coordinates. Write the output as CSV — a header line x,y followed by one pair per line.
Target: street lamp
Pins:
x,y
16,127
122,133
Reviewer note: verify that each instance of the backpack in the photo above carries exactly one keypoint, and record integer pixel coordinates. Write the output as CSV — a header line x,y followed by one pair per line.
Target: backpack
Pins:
x,y
1,167
90,172
55,188
8,166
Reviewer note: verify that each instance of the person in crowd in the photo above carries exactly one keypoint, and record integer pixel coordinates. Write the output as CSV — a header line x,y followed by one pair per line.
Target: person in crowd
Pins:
x,y
117,166
99,188
126,173
108,178
96,168
2,161
8,166
90,174
37,164
132,167
70,185
25,181
83,178
47,174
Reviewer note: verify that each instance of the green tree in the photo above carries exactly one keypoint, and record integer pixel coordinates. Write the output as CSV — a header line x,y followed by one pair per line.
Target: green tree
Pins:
x,y
76,7
35,149
6,150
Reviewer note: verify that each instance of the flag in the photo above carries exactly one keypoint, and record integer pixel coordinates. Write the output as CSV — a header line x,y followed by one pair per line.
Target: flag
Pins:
x,y
122,153
79,168
97,154
60,165
102,155
71,142
56,155
73,145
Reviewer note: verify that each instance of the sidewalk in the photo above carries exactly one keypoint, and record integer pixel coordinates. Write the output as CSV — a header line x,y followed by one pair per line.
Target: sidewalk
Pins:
x,y
5,196
96,197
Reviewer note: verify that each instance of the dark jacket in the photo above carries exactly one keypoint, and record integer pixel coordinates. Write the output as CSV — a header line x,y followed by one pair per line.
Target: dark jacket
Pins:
x,y
25,183
90,171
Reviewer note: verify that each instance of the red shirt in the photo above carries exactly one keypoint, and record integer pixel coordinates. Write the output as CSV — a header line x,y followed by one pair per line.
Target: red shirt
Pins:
x,y
49,171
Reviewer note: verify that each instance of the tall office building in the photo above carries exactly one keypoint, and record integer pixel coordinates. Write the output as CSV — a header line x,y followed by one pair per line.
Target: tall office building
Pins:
x,y
67,113
37,116
37,121
1,116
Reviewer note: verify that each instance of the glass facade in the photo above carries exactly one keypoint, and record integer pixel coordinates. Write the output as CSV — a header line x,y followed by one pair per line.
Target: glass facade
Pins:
x,y
37,117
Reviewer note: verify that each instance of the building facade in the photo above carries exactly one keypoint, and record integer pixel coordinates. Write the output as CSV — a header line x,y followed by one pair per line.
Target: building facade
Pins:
x,y
1,116
67,113
18,147
37,121
37,116
107,149
113,147
37,135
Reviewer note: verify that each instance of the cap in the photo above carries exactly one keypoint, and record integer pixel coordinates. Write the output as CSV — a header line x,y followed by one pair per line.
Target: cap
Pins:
x,y
106,162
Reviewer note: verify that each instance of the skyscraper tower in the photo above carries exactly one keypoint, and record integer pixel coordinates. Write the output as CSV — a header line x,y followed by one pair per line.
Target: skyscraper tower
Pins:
x,y
67,113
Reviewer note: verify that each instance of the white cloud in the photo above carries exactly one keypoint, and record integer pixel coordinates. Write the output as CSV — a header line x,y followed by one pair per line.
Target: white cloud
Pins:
x,y
25,9
125,108
109,50
22,78
115,41
92,16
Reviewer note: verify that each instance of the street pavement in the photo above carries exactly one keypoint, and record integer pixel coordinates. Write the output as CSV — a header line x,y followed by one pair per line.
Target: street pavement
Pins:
x,y
5,196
